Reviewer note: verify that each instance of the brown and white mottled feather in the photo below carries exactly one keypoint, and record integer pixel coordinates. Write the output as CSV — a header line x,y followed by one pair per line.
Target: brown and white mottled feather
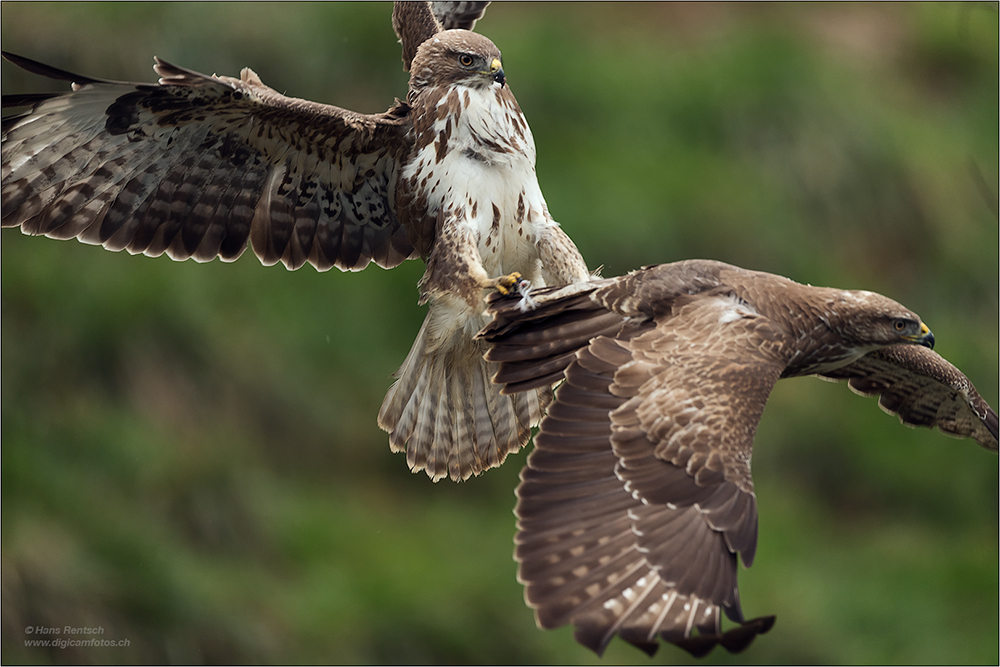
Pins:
x,y
638,498
471,188
922,389
198,166
416,22
459,15
594,553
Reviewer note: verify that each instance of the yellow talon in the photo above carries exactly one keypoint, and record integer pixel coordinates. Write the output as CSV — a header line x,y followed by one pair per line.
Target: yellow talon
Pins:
x,y
506,284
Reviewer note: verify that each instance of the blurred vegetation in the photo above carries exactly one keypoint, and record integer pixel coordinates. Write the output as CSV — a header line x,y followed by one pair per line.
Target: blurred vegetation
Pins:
x,y
190,454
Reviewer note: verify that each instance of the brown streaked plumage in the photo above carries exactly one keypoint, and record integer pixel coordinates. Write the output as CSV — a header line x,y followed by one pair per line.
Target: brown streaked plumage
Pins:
x,y
638,496
414,24
198,166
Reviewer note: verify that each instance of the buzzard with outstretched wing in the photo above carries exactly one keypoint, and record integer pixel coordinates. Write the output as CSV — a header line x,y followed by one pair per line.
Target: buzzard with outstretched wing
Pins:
x,y
638,497
199,166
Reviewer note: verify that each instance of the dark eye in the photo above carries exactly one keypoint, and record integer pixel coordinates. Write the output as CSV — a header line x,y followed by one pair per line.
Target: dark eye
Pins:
x,y
465,60
900,325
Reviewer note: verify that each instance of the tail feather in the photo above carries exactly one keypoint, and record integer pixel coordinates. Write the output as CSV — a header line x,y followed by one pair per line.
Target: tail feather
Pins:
x,y
460,426
483,419
440,418
409,389
445,412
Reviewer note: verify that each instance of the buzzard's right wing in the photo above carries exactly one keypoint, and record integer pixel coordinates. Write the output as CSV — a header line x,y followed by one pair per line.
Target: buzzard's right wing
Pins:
x,y
923,389
417,21
459,15
197,165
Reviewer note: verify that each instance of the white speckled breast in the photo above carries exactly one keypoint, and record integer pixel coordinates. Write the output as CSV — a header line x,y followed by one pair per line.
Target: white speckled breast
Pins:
x,y
486,179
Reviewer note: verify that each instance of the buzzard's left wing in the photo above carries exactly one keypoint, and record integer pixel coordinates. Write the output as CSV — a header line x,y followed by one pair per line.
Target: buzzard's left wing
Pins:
x,y
923,389
637,498
197,165
597,544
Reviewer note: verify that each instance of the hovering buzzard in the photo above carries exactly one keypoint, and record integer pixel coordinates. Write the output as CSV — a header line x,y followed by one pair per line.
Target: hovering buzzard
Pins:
x,y
638,496
197,166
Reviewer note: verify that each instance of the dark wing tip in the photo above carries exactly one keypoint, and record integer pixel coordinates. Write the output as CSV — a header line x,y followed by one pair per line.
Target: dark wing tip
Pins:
x,y
923,388
48,71
735,641
595,638
738,639
26,100
990,421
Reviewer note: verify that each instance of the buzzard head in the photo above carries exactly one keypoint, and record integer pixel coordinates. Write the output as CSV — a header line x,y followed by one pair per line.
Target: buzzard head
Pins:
x,y
456,57
872,320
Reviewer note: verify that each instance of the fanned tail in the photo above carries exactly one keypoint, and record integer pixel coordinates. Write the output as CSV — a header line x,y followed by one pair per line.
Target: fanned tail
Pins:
x,y
444,410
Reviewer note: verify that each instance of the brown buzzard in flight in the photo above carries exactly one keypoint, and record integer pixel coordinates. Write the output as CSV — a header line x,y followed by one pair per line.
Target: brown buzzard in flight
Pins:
x,y
197,166
638,496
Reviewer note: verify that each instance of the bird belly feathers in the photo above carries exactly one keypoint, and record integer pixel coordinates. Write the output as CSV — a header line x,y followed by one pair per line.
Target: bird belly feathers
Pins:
x,y
485,183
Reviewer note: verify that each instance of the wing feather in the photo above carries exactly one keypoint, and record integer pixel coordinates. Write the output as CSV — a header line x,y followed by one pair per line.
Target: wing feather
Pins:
x,y
416,22
594,552
197,165
667,371
459,15
614,537
923,389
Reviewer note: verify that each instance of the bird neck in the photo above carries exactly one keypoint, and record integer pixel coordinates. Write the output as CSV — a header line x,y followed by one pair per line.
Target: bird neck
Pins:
x,y
481,122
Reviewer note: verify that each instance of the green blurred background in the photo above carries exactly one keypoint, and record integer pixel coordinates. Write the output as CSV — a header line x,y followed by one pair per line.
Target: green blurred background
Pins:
x,y
190,454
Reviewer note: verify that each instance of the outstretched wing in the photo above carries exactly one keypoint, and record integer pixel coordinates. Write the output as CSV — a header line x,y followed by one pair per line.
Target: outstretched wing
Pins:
x,y
196,165
536,336
922,389
416,22
459,15
638,498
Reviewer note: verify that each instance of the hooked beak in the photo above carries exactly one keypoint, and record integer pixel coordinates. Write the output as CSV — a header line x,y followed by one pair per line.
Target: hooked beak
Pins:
x,y
496,71
925,337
